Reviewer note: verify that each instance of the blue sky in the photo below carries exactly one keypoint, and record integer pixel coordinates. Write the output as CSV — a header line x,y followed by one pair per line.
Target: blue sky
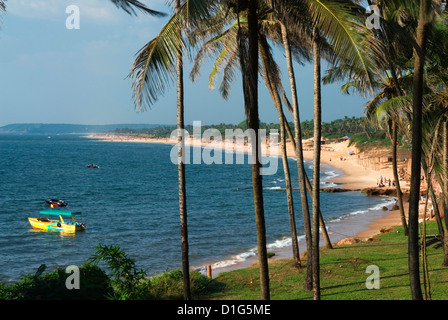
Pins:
x,y
51,74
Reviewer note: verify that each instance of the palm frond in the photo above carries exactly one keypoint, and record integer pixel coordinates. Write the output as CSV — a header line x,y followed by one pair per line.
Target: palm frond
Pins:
x,y
228,75
129,7
371,107
154,68
395,105
354,79
155,65
223,45
341,23
223,41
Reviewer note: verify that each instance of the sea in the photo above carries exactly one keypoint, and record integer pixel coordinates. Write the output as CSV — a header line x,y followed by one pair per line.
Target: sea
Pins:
x,y
131,201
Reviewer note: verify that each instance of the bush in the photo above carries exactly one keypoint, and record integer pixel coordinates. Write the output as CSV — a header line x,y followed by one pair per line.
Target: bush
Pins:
x,y
127,281
94,285
169,285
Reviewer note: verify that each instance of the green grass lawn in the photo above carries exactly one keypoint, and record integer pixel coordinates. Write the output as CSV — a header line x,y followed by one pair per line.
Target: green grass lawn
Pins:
x,y
343,273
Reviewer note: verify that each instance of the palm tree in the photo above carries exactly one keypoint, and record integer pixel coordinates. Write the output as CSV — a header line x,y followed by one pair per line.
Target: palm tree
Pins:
x,y
435,150
336,22
437,81
224,46
316,165
341,27
386,107
298,150
272,80
388,82
424,20
249,70
244,51
445,189
181,168
422,12
159,61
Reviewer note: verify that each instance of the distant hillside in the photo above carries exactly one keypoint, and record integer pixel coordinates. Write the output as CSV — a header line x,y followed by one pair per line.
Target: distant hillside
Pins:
x,y
40,128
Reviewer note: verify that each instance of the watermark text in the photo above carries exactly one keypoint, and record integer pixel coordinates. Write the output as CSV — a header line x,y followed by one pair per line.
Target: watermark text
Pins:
x,y
73,20
208,147
373,20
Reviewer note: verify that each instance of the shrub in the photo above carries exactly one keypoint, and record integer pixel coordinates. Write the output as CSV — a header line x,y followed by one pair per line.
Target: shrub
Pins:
x,y
94,285
169,285
127,281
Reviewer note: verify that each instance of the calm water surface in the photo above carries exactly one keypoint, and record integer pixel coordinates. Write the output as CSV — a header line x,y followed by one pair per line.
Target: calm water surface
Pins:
x,y
131,201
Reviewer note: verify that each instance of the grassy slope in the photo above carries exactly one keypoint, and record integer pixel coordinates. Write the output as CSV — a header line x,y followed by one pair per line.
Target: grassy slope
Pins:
x,y
343,273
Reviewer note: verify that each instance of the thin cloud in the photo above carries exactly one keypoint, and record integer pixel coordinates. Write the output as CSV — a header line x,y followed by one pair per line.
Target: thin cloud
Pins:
x,y
38,9
99,11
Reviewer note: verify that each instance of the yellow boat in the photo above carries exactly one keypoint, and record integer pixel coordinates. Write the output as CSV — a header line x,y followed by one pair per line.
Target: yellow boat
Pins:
x,y
61,225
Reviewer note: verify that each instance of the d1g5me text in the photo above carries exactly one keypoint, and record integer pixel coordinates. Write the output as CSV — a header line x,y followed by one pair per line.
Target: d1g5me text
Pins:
x,y
241,309
246,309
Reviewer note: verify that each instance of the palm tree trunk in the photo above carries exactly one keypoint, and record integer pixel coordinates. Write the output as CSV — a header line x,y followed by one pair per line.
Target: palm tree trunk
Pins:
x,y
250,90
316,170
181,173
289,195
399,92
323,228
396,177
445,191
413,247
433,197
299,155
426,280
264,55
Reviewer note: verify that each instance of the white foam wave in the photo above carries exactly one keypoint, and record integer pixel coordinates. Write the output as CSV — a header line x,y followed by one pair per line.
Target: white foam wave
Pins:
x,y
279,243
242,257
236,259
273,188
328,184
331,174
286,241
385,203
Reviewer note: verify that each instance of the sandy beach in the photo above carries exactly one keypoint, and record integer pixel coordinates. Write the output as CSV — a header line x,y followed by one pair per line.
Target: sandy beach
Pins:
x,y
348,159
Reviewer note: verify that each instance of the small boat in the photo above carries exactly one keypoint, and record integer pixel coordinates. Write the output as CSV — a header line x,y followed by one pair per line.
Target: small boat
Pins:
x,y
93,166
54,224
56,203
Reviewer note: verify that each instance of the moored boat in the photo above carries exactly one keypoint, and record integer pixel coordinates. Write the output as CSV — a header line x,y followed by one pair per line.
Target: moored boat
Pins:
x,y
56,203
53,224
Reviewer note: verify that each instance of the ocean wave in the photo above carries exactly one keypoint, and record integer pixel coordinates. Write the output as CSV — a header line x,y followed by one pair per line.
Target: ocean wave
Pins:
x,y
329,184
244,256
331,174
287,241
385,203
234,260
